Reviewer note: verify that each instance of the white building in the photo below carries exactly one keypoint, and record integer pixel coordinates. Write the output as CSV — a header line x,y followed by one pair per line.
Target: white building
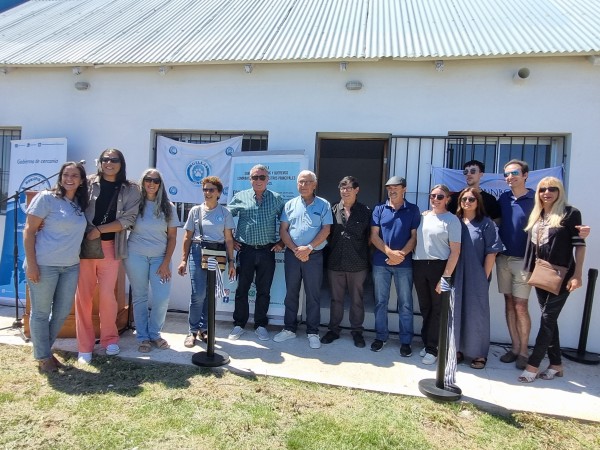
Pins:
x,y
366,87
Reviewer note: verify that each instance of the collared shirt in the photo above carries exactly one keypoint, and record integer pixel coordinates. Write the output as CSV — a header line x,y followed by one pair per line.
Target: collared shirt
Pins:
x,y
306,221
515,214
349,238
395,229
257,224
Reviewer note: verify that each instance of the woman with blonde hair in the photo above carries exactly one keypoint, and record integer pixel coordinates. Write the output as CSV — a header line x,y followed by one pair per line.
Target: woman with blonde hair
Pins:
x,y
554,237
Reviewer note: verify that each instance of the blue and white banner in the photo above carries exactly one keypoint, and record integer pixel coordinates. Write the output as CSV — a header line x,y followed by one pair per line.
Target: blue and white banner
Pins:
x,y
31,161
284,167
184,166
492,183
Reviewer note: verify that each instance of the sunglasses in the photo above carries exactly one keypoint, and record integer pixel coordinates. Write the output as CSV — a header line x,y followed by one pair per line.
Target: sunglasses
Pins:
x,y
552,189
468,199
437,196
211,190
152,180
514,173
258,177
106,159
471,171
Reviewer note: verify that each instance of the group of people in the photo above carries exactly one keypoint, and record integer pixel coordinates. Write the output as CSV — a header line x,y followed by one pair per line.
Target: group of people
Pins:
x,y
456,238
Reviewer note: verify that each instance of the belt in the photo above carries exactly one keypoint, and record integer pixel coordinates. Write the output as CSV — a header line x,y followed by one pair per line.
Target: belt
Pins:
x,y
258,247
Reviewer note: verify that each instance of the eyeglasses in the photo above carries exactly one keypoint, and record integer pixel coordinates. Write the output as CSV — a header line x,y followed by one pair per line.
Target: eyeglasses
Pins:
x,y
258,177
552,189
437,196
106,159
303,182
211,190
76,209
472,171
347,188
152,180
514,173
468,199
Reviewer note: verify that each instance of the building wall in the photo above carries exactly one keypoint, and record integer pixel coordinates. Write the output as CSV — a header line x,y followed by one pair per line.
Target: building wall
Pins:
x,y
294,102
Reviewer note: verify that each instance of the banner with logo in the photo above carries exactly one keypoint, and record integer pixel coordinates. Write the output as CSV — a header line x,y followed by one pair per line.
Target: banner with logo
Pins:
x,y
184,166
283,170
492,183
31,161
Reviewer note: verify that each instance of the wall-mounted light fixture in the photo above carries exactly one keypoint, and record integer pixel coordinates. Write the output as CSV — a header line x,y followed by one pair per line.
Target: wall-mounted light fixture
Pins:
x,y
82,85
521,75
163,70
343,66
439,65
248,68
594,60
77,70
354,85
3,70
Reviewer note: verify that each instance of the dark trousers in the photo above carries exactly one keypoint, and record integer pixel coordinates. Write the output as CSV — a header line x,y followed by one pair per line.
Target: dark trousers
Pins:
x,y
338,283
548,338
262,263
426,275
311,272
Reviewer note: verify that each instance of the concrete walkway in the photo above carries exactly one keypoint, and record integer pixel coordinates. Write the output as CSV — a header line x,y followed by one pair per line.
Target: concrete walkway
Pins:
x,y
495,388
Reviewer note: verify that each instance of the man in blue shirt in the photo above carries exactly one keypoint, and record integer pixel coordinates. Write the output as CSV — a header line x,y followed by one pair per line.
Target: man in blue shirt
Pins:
x,y
305,225
258,210
394,234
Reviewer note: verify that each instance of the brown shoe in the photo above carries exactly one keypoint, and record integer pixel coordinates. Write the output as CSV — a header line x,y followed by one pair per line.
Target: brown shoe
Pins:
x,y
46,366
60,365
521,362
190,340
509,357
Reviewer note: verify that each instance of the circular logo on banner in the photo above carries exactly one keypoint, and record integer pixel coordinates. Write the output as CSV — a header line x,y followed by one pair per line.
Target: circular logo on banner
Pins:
x,y
173,190
173,150
229,151
197,170
32,178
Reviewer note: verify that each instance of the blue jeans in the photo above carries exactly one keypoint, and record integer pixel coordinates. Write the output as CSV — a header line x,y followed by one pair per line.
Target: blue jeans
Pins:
x,y
382,281
51,302
149,317
311,272
198,315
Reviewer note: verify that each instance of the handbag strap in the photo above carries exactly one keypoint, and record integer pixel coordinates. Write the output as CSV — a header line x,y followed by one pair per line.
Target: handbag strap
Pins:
x,y
111,205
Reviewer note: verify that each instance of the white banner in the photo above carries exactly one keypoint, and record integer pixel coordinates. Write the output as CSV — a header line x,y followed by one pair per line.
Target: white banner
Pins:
x,y
184,166
493,183
31,161
283,170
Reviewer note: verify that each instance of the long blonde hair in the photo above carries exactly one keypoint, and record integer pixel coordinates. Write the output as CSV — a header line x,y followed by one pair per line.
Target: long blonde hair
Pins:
x,y
557,213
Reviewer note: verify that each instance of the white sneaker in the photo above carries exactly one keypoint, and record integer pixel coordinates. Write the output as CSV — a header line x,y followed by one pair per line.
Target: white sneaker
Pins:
x,y
423,352
314,341
262,334
284,335
84,358
112,349
429,359
235,333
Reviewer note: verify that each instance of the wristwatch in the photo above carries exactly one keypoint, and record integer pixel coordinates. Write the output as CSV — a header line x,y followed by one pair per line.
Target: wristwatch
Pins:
x,y
310,247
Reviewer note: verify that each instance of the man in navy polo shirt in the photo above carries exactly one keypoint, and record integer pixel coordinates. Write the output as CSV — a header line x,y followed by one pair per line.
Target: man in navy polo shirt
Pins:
x,y
394,234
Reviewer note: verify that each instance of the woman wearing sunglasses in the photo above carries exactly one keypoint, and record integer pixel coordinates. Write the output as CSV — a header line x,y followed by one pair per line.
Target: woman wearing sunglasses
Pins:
x,y
479,247
553,229
150,245
112,210
209,225
435,256
52,258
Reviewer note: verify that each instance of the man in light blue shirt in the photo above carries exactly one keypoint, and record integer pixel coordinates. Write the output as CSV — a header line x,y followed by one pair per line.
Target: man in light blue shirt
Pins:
x,y
305,225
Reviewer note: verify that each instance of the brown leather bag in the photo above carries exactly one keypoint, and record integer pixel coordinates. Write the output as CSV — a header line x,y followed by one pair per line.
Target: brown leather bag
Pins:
x,y
546,276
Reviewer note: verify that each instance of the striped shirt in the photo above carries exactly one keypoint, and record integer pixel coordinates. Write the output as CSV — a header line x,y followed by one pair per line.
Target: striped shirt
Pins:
x,y
257,224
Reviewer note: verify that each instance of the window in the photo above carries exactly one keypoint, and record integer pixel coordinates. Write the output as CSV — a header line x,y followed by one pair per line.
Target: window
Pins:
x,y
6,135
252,141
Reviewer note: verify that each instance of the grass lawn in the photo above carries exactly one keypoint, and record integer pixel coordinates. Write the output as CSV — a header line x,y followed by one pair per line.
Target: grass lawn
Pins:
x,y
117,404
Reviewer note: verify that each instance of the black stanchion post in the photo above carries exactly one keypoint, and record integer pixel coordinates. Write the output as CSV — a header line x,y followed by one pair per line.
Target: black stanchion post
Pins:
x,y
581,356
435,388
211,357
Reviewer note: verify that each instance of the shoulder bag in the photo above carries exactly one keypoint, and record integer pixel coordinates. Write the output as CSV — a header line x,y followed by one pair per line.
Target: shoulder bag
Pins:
x,y
545,275
92,248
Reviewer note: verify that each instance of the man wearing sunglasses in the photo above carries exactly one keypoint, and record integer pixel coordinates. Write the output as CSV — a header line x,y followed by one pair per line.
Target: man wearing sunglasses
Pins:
x,y
258,210
473,171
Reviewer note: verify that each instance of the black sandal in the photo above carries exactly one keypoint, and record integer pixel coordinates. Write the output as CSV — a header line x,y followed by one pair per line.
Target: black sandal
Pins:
x,y
478,363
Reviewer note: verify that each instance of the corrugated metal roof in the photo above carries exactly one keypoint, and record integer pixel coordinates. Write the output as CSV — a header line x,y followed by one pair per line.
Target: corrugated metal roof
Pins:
x,y
150,32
